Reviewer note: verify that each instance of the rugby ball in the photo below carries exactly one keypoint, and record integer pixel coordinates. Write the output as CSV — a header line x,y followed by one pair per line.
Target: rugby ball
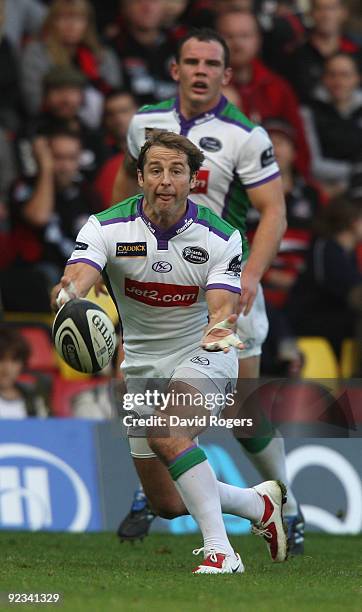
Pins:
x,y
84,336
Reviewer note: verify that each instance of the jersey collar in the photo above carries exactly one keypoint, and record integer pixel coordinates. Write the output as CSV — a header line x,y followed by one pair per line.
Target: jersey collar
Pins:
x,y
187,124
163,236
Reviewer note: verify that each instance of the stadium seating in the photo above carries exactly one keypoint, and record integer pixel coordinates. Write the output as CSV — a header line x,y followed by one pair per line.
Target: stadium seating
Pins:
x,y
349,357
320,360
42,356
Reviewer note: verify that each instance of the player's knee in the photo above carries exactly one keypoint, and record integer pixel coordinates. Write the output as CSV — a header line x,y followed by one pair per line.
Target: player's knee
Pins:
x,y
162,447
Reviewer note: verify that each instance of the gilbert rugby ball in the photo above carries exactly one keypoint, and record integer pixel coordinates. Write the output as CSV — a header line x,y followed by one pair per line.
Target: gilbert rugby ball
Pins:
x,y
84,336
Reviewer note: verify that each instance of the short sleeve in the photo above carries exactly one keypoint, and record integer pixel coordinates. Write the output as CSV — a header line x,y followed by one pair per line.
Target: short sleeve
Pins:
x,y
256,164
90,246
225,265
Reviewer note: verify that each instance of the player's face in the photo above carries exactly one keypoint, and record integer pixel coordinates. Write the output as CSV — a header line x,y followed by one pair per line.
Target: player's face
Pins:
x,y
201,73
166,183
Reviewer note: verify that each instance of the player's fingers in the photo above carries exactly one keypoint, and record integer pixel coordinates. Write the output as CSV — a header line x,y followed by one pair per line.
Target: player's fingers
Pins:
x,y
67,291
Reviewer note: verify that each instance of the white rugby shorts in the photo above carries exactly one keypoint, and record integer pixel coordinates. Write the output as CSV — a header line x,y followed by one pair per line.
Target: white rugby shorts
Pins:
x,y
252,329
210,373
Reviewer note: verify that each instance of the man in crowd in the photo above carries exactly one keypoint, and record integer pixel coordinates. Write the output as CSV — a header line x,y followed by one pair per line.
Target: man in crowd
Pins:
x,y
118,110
46,212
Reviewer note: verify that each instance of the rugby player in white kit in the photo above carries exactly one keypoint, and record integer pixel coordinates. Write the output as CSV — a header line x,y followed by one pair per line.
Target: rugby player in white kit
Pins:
x,y
201,301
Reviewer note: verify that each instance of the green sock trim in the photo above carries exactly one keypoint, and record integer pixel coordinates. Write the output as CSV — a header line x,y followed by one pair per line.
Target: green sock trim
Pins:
x,y
254,445
193,457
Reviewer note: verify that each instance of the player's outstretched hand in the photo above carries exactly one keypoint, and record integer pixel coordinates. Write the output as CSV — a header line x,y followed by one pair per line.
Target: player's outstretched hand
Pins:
x,y
222,336
62,293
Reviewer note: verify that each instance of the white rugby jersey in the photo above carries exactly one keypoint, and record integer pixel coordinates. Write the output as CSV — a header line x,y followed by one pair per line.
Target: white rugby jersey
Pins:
x,y
238,154
159,279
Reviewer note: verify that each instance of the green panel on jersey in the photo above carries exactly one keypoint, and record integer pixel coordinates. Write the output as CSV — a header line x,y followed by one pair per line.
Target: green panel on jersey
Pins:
x,y
232,112
121,210
167,104
236,210
214,221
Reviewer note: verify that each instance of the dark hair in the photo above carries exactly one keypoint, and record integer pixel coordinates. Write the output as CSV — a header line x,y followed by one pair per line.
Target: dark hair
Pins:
x,y
203,35
348,56
62,131
338,216
314,2
114,93
14,345
172,141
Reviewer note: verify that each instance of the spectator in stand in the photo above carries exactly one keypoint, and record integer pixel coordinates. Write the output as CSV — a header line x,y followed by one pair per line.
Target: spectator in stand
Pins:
x,y
174,18
283,31
69,38
333,124
306,64
23,18
303,200
10,100
119,108
17,400
320,302
62,99
47,212
145,51
262,92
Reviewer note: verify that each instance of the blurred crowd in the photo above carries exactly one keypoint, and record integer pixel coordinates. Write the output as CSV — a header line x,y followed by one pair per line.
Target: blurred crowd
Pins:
x,y
73,73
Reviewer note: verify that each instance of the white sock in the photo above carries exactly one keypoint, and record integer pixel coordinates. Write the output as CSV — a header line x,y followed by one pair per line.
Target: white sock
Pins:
x,y
270,462
246,503
199,491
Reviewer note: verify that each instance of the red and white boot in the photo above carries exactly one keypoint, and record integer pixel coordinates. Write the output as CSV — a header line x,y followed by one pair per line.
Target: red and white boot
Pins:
x,y
271,526
219,563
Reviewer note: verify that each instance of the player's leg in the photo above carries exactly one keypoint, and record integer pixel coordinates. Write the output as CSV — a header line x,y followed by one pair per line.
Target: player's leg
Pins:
x,y
261,505
193,477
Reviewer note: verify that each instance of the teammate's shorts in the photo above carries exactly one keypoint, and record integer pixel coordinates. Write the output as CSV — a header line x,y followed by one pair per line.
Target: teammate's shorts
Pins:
x,y
210,373
253,328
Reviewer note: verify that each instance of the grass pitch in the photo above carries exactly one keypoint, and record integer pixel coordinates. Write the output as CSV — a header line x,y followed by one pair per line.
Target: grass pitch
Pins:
x,y
94,572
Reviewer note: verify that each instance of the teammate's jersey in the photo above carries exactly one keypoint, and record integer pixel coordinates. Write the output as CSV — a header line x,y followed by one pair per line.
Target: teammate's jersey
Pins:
x,y
159,278
238,154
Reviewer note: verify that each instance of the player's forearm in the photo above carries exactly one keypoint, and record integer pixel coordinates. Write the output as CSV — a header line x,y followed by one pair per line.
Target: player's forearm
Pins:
x,y
40,206
83,277
221,306
267,238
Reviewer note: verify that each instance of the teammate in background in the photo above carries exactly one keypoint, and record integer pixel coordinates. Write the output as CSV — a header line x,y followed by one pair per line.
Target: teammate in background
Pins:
x,y
239,169
175,473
